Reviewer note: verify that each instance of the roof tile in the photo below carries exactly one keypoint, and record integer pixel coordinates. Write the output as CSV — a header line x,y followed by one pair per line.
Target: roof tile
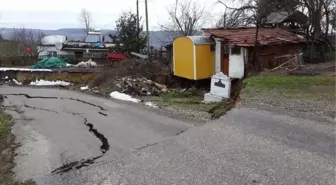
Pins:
x,y
246,36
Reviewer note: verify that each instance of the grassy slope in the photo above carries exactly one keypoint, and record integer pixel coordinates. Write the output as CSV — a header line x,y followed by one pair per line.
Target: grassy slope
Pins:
x,y
314,95
190,102
7,152
291,86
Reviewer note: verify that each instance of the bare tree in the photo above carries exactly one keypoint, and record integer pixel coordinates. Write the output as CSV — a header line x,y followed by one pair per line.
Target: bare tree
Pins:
x,y
1,36
253,12
85,18
319,13
185,18
28,37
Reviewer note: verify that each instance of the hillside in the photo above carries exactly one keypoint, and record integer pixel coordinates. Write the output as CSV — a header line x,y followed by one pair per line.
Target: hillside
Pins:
x,y
157,38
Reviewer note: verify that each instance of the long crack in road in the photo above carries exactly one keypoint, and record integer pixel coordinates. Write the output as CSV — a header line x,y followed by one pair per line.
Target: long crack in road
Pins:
x,y
71,138
49,126
75,164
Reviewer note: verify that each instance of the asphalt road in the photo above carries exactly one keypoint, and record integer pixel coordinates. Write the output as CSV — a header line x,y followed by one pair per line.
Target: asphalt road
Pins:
x,y
70,138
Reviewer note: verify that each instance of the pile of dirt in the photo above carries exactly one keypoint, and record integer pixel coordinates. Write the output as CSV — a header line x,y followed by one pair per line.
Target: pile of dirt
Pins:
x,y
140,68
140,86
133,76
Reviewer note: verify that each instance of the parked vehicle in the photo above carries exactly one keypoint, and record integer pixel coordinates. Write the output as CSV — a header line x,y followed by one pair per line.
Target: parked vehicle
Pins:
x,y
115,56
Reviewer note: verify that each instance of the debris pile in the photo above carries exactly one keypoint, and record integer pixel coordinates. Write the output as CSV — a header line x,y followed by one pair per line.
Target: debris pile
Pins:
x,y
140,86
49,83
87,64
124,97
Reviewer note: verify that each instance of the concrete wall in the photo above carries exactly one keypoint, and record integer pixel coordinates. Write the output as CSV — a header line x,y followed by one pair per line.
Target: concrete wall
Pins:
x,y
43,51
237,63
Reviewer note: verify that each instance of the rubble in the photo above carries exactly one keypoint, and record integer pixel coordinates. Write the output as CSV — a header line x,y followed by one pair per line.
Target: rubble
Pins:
x,y
140,86
87,64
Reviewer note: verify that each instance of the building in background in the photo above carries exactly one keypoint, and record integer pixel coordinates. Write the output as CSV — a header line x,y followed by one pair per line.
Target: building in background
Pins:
x,y
95,46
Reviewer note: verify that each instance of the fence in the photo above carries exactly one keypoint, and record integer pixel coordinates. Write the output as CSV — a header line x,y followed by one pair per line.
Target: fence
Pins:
x,y
17,61
74,59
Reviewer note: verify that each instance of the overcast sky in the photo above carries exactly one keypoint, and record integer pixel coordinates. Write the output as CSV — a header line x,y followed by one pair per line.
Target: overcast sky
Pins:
x,y
64,13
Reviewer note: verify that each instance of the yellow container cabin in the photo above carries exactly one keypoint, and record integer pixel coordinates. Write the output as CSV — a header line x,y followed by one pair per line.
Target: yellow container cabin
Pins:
x,y
194,57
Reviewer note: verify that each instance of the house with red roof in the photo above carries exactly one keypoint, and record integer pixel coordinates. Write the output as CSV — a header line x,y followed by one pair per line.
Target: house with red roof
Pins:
x,y
235,48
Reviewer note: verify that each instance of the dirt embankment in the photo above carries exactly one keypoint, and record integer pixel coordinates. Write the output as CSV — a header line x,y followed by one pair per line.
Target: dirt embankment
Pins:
x,y
25,77
153,82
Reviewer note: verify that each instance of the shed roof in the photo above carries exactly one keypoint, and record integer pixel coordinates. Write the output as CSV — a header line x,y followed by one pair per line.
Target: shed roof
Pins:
x,y
279,17
246,36
197,40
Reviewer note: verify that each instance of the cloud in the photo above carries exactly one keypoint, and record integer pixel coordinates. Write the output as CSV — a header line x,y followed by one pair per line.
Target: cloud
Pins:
x,y
64,13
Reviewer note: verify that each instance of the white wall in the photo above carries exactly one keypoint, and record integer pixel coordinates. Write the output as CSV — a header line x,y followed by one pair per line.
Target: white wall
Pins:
x,y
237,63
218,56
43,50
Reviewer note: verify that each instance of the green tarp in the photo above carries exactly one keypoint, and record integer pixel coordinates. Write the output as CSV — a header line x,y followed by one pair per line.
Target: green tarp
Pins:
x,y
51,63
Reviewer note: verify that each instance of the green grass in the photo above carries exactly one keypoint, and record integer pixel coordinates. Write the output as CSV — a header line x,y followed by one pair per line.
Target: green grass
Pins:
x,y
173,95
4,125
290,86
29,182
6,159
190,101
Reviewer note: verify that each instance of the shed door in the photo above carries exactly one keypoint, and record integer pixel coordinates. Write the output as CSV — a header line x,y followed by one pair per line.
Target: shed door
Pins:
x,y
225,58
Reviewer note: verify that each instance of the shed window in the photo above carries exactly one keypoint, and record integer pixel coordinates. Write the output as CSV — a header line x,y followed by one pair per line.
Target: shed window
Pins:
x,y
52,53
235,50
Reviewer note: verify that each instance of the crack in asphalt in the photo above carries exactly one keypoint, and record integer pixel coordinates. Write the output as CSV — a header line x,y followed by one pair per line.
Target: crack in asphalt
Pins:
x,y
85,102
123,157
54,97
101,113
75,165
29,97
105,145
37,108
182,131
80,163
146,146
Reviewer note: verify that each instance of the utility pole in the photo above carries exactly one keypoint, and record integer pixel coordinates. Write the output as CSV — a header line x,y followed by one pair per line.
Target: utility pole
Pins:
x,y
224,20
147,27
138,25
